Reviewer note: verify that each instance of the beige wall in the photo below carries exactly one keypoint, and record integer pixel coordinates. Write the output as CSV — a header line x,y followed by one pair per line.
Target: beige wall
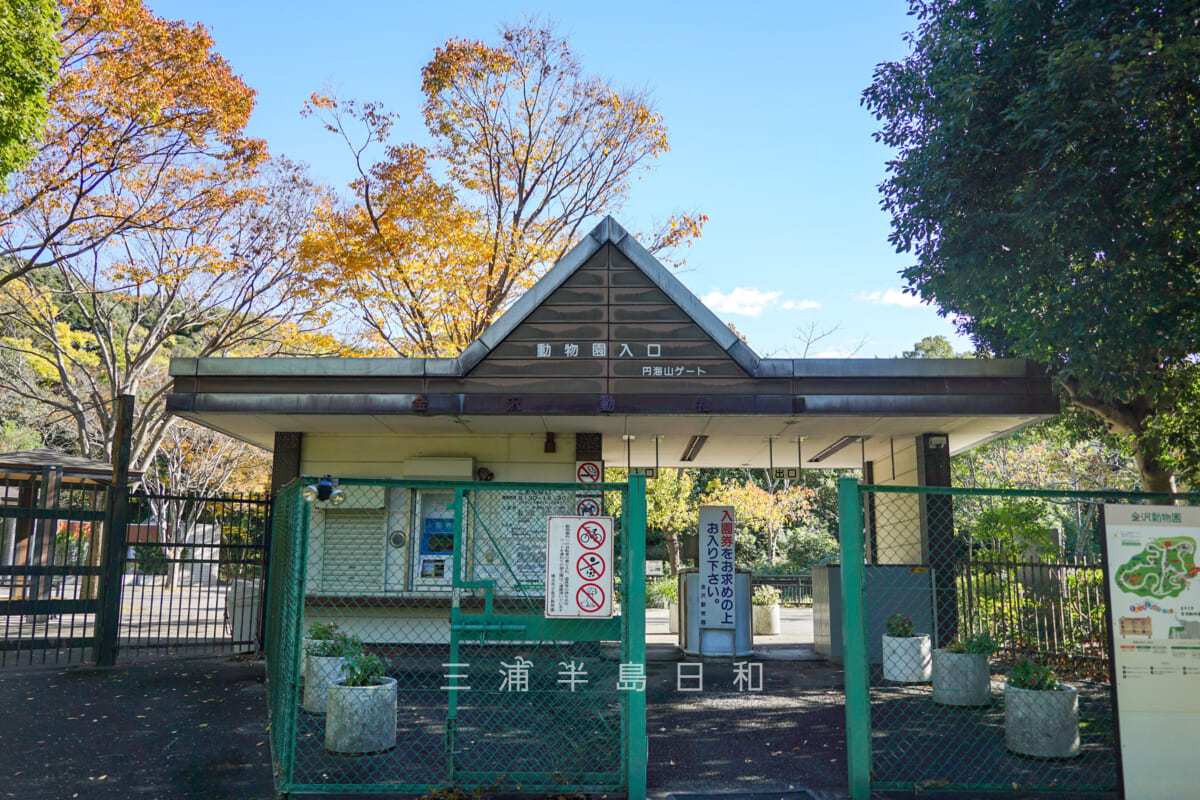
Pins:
x,y
514,457
897,516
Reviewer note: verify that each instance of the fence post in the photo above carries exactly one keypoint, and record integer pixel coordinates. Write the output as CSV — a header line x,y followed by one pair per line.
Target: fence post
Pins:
x,y
635,609
855,668
112,565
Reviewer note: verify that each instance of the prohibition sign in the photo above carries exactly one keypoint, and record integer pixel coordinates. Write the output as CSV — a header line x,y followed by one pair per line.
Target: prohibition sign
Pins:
x,y
590,566
588,507
588,472
589,598
590,535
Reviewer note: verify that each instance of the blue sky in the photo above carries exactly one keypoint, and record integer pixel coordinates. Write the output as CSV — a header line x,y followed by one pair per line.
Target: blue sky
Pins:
x,y
761,101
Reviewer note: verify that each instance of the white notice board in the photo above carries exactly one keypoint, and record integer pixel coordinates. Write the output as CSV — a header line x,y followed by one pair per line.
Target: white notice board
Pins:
x,y
717,596
1154,583
579,567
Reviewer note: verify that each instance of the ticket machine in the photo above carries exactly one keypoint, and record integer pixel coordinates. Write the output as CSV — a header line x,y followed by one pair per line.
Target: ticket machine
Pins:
x,y
434,551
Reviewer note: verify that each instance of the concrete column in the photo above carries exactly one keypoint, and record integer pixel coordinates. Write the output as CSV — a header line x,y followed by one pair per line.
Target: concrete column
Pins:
x,y
940,545
286,463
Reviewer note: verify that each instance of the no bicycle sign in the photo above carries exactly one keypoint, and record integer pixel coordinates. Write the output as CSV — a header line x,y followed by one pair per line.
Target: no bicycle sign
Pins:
x,y
579,575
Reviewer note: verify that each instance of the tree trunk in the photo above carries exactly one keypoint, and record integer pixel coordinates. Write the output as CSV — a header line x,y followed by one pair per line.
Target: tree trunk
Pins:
x,y
671,538
1155,476
1129,420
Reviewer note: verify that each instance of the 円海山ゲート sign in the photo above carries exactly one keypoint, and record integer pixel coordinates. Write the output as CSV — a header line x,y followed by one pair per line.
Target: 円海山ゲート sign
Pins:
x,y
716,590
579,567
1154,588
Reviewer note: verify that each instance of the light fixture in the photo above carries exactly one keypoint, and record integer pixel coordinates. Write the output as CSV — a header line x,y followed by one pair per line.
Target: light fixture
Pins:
x,y
836,446
484,474
323,491
692,448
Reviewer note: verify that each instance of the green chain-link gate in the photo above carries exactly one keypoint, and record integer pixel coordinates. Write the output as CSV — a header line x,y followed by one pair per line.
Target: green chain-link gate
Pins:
x,y
445,584
961,563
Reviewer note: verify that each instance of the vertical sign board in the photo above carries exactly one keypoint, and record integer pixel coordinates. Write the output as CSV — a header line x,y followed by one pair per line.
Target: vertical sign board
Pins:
x,y
579,567
717,596
1154,584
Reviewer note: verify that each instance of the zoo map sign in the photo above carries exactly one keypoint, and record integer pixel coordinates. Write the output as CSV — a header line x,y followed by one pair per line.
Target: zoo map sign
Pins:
x,y
1154,586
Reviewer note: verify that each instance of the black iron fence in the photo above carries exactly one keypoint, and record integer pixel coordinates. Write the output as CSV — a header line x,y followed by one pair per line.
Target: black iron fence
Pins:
x,y
191,573
194,573
50,559
794,590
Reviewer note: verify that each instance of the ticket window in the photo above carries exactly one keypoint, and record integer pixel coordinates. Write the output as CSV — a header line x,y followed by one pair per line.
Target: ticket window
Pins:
x,y
434,551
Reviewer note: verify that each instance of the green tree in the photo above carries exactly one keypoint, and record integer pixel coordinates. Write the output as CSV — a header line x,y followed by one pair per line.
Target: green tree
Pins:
x,y
28,65
931,347
1045,180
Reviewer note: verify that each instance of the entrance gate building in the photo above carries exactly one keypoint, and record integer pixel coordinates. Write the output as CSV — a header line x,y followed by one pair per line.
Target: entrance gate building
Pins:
x,y
607,361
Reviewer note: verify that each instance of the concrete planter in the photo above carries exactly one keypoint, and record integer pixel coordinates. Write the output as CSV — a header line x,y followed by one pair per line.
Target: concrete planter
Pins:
x,y
766,620
1042,724
961,679
907,659
319,674
361,719
673,618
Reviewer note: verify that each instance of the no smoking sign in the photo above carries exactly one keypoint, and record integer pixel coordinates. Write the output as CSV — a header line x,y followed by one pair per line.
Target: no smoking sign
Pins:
x,y
579,575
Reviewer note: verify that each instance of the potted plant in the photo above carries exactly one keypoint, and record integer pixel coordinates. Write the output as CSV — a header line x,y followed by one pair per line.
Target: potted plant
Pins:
x,y
906,655
325,664
1041,715
766,610
320,631
961,674
664,593
362,708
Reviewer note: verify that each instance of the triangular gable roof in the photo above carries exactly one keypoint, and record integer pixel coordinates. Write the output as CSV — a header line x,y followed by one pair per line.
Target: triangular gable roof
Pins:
x,y
609,231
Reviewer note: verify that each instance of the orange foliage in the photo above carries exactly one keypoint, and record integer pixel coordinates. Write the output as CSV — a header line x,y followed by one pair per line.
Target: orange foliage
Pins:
x,y
146,125
532,150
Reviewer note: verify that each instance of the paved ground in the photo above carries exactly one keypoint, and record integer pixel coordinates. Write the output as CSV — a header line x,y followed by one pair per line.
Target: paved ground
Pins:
x,y
195,728
160,730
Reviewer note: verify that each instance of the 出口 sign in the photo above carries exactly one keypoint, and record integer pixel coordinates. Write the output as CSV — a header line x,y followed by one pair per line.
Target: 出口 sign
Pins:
x,y
579,567
717,596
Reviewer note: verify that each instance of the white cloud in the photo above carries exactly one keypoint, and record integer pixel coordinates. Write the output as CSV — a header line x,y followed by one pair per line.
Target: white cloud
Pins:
x,y
742,300
750,302
800,305
890,297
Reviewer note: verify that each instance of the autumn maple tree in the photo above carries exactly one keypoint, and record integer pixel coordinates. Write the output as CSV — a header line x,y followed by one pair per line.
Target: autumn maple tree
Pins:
x,y
433,243
147,226
146,124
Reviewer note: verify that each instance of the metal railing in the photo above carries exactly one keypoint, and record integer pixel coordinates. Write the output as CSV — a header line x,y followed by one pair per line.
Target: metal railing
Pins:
x,y
443,589
944,566
794,590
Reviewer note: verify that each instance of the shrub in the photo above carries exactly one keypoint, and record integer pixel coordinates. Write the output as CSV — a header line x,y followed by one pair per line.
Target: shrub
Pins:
x,y
1027,674
976,643
323,630
661,592
340,646
899,626
362,668
766,595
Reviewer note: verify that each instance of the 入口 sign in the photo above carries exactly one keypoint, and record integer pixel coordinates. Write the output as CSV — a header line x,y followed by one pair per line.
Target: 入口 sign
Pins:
x,y
579,567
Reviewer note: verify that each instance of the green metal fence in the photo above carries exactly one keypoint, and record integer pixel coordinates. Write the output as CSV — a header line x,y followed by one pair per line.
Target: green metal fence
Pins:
x,y
964,566
445,584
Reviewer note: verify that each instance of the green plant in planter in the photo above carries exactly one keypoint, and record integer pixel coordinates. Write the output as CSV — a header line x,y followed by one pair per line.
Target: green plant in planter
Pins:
x,y
662,592
977,643
340,646
898,626
1032,676
362,668
766,595
323,630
